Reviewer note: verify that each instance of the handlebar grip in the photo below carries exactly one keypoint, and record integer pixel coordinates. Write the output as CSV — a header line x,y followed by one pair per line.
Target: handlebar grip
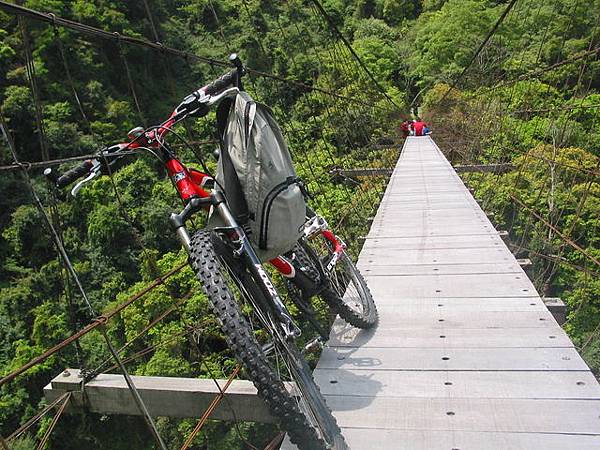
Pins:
x,y
73,174
221,83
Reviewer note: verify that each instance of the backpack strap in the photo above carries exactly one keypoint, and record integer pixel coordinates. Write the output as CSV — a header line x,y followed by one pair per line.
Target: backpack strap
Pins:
x,y
222,115
231,183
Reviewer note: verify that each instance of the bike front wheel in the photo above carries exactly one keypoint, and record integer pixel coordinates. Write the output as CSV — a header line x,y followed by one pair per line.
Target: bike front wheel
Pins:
x,y
272,363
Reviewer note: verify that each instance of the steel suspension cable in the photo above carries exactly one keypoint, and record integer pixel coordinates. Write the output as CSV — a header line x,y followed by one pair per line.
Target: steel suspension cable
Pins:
x,y
33,420
480,48
61,249
351,50
97,322
213,405
31,76
44,440
134,41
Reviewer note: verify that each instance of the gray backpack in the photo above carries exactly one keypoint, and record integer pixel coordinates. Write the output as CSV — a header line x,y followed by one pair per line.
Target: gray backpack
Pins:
x,y
256,171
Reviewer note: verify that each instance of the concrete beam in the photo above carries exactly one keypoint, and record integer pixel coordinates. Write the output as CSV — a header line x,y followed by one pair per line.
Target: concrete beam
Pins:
x,y
364,172
557,308
487,168
164,396
524,262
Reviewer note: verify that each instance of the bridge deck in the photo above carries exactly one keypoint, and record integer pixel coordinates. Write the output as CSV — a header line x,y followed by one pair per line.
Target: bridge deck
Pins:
x,y
466,356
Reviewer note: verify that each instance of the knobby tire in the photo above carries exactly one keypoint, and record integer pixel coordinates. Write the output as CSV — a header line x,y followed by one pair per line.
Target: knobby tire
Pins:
x,y
213,272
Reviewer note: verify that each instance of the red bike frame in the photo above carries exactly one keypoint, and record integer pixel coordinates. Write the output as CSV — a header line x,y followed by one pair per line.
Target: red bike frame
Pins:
x,y
190,183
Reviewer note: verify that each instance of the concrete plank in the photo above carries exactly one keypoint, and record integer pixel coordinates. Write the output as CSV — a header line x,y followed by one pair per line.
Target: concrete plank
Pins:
x,y
470,414
494,253
458,215
426,226
440,207
456,191
388,204
399,229
397,270
423,359
402,215
344,335
432,242
441,255
466,285
466,304
394,317
440,384
368,439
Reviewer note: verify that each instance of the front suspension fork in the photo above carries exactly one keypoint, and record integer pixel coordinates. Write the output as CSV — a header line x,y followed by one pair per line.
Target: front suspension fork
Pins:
x,y
262,279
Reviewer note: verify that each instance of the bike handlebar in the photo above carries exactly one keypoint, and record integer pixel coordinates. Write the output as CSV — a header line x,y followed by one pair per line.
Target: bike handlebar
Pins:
x,y
221,83
74,174
231,78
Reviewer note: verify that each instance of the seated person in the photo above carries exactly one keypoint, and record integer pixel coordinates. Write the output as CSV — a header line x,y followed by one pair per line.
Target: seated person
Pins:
x,y
419,126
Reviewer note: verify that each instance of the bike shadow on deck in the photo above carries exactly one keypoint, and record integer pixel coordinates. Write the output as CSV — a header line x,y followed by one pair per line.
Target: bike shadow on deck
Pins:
x,y
339,372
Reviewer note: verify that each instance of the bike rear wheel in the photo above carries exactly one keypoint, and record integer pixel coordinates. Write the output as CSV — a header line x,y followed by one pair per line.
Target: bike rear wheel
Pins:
x,y
347,292
257,341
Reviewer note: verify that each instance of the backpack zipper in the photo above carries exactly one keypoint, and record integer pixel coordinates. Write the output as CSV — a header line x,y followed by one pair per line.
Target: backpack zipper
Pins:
x,y
267,204
247,120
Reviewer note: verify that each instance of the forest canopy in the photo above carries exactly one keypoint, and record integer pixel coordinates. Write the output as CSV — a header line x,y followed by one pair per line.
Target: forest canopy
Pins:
x,y
529,99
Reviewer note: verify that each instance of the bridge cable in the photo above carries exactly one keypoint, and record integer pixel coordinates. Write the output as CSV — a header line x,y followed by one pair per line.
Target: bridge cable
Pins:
x,y
151,20
44,440
129,79
59,244
335,59
480,48
316,189
221,395
583,196
61,51
96,32
31,76
328,113
36,418
529,153
317,127
351,49
213,405
510,99
97,322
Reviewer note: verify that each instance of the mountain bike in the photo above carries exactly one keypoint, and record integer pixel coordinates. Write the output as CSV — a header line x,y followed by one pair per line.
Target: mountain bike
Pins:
x,y
258,327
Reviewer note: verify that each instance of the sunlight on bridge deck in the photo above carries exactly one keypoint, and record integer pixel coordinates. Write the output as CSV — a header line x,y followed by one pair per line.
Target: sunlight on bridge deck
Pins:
x,y
466,356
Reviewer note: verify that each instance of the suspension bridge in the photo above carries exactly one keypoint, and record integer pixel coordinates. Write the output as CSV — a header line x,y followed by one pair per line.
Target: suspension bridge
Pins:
x,y
467,354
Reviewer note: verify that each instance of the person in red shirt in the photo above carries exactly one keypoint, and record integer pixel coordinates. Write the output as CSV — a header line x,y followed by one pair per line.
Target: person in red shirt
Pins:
x,y
419,126
405,128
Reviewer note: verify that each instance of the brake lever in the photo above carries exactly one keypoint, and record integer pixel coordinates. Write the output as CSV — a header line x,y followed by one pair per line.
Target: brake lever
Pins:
x,y
94,172
230,92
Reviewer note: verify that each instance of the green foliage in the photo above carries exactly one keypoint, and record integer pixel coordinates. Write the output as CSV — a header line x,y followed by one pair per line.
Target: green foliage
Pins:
x,y
121,243
443,40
